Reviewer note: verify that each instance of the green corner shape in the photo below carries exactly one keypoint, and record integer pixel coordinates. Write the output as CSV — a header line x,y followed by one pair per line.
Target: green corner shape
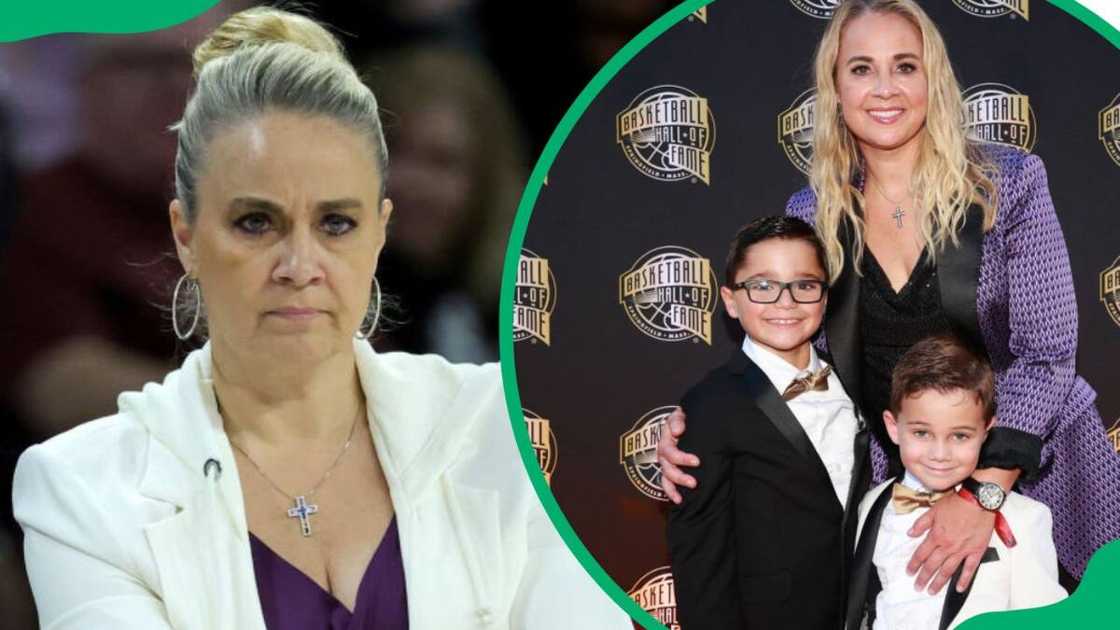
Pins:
x,y
24,19
1088,604
1087,608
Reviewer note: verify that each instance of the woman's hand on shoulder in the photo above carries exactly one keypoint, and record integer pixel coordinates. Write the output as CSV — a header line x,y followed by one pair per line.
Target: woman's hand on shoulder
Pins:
x,y
958,531
670,458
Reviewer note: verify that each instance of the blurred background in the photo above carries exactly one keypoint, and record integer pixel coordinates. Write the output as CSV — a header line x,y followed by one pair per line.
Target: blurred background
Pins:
x,y
471,90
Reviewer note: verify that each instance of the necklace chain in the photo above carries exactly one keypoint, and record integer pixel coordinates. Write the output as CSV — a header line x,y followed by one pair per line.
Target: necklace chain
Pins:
x,y
884,194
326,475
898,211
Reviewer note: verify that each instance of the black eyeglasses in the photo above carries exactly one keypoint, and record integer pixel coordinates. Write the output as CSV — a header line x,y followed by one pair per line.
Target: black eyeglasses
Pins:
x,y
763,291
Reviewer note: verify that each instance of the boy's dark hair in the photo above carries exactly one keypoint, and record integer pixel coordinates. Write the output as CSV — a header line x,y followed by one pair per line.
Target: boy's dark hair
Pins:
x,y
766,228
944,363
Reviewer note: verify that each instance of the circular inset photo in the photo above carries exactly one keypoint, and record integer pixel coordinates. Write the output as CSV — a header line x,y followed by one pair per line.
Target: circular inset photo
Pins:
x,y
884,298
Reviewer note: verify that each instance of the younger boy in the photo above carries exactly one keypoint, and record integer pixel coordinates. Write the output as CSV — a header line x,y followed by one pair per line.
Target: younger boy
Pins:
x,y
760,542
942,406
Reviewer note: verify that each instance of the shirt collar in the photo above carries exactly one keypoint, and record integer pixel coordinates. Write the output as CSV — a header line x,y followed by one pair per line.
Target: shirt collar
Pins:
x,y
912,482
780,372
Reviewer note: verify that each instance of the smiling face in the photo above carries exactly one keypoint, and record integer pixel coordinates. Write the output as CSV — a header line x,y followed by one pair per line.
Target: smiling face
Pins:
x,y
785,326
939,435
285,240
881,81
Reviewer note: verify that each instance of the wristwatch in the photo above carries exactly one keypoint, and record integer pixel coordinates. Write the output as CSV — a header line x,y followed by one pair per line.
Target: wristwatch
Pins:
x,y
989,495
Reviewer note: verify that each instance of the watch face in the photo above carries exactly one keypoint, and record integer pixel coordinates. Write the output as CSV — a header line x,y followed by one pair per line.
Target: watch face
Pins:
x,y
990,496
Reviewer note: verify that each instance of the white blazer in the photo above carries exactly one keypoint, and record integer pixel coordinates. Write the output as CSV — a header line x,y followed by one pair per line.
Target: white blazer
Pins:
x,y
1023,576
125,527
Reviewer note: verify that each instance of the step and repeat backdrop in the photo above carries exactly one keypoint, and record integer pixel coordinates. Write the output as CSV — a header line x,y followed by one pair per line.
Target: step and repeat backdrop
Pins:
x,y
616,305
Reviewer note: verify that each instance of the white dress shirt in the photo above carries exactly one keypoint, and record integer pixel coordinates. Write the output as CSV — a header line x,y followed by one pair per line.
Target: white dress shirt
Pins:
x,y
828,417
899,606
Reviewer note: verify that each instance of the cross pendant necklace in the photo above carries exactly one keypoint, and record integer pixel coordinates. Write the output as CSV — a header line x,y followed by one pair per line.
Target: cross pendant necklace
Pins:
x,y
301,508
303,512
898,211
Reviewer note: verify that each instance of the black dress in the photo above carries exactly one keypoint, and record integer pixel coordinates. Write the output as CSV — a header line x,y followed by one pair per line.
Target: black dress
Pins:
x,y
890,323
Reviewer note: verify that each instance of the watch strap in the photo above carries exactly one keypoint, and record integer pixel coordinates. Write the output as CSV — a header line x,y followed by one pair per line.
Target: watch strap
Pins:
x,y
1003,529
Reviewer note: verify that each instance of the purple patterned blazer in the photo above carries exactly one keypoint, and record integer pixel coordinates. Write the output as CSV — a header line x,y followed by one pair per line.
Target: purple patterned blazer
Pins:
x,y
1011,289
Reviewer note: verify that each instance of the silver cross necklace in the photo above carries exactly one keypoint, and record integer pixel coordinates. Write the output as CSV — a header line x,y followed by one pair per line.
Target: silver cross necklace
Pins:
x,y
301,509
898,211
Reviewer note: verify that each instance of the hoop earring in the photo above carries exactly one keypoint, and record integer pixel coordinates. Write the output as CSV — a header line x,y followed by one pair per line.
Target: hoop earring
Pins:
x,y
183,336
376,313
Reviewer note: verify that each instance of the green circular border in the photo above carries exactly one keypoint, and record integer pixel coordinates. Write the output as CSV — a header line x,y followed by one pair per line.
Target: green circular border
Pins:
x,y
1104,567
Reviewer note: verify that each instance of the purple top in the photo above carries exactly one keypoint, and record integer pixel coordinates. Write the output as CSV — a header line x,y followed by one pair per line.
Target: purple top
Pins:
x,y
292,601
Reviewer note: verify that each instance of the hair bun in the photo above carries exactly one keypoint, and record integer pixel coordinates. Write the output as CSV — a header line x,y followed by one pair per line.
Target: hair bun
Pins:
x,y
264,25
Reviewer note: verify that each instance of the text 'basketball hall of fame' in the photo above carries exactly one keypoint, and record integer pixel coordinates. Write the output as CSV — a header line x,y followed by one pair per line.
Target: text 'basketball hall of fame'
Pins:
x,y
534,298
656,594
544,443
1110,290
1109,129
637,452
669,294
994,112
795,130
667,132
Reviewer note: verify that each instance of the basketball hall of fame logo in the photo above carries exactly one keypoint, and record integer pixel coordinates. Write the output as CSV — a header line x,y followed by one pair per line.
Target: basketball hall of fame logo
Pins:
x,y
822,9
534,298
669,293
667,132
544,443
998,113
637,452
795,130
1110,129
655,593
1110,290
995,8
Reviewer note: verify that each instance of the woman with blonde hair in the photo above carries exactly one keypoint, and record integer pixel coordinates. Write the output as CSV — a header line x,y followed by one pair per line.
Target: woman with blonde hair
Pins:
x,y
928,231
287,476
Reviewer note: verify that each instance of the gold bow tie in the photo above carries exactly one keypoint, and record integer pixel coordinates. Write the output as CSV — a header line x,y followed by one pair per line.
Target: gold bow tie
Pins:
x,y
816,381
905,500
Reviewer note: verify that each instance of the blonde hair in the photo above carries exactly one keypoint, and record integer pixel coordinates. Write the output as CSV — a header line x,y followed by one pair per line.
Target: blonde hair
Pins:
x,y
951,172
264,59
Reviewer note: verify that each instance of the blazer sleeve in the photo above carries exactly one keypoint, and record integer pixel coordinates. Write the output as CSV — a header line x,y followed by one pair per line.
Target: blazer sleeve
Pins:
x,y
555,592
78,572
1042,322
701,529
1034,570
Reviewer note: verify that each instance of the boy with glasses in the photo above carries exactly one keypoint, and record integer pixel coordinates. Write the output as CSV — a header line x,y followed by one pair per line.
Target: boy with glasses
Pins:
x,y
764,538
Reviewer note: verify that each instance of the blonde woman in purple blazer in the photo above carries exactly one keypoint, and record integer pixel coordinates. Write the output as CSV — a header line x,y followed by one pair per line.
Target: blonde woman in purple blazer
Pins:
x,y
928,232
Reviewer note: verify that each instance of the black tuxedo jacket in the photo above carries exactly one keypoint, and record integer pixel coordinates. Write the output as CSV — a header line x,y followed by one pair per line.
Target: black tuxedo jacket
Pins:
x,y
762,542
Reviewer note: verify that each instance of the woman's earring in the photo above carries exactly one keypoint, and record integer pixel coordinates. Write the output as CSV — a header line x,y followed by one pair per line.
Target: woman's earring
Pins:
x,y
192,285
364,331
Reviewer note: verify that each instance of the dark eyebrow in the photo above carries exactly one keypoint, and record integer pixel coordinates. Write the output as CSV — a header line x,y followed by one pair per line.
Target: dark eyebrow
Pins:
x,y
898,57
335,205
255,203
264,205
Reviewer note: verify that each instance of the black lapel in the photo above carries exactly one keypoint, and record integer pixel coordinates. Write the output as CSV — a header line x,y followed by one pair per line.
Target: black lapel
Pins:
x,y
860,484
766,397
841,322
954,600
958,272
861,475
862,565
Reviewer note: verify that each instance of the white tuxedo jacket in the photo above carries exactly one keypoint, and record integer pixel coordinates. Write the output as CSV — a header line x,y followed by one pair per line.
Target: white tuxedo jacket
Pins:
x,y
127,528
1024,576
